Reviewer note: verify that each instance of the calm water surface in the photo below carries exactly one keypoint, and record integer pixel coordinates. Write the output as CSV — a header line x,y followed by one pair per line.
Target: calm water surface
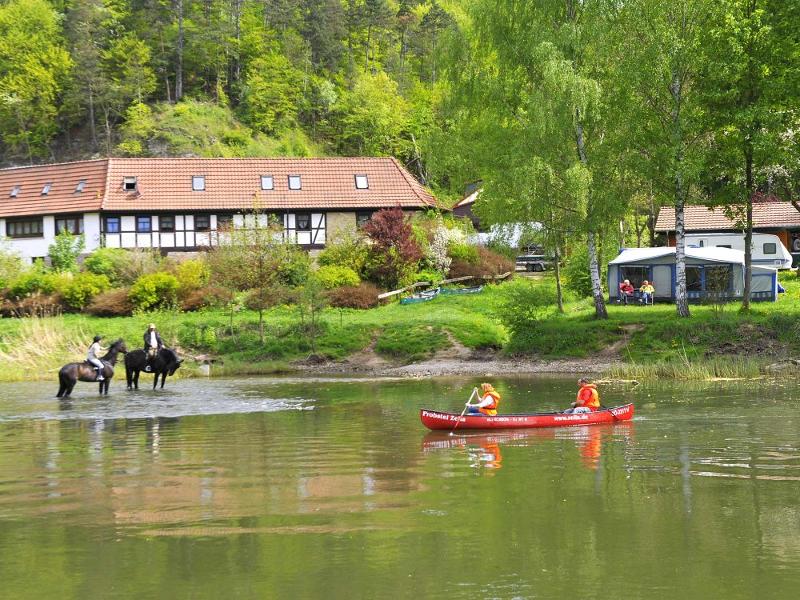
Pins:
x,y
280,488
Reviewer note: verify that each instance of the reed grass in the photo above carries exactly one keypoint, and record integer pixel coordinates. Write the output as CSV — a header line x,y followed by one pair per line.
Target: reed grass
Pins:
x,y
728,367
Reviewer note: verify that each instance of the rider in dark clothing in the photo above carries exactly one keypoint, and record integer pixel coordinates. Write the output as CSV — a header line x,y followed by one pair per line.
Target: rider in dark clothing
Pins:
x,y
152,344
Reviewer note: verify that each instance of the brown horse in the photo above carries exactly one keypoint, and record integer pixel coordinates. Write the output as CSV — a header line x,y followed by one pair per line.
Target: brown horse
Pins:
x,y
71,373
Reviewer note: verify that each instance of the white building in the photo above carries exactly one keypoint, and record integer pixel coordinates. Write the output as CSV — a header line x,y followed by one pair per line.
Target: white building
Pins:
x,y
178,204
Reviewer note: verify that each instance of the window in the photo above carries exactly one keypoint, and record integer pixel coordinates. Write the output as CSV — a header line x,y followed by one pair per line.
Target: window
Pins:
x,y
112,225
202,223
144,225
694,280
267,183
302,221
23,228
295,183
771,248
636,275
46,189
198,183
14,191
274,220
362,217
81,185
723,245
362,183
73,225
129,184
224,222
166,223
702,243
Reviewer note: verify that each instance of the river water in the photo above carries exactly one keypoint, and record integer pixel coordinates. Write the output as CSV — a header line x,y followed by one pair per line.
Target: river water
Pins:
x,y
330,488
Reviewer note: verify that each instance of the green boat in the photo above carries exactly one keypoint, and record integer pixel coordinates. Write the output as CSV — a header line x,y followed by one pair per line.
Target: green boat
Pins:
x,y
476,289
421,297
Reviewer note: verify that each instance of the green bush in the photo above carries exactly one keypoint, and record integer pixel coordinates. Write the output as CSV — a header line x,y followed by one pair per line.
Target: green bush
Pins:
x,y
64,251
155,290
11,267
345,250
463,252
432,276
83,287
334,276
110,262
37,282
192,275
295,265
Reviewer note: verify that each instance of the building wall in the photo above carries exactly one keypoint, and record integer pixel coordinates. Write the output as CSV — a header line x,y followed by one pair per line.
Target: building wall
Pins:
x,y
36,247
338,222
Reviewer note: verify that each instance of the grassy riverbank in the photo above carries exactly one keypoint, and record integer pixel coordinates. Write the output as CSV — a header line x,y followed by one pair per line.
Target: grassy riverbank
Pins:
x,y
649,342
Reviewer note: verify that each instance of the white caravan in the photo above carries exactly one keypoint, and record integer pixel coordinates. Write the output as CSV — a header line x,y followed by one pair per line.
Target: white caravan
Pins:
x,y
768,251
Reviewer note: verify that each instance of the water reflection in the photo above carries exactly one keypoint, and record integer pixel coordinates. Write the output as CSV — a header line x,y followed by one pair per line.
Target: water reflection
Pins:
x,y
483,450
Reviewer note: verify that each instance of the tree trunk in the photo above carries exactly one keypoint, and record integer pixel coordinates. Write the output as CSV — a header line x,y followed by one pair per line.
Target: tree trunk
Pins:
x,y
92,125
748,232
681,298
594,266
179,47
557,267
261,325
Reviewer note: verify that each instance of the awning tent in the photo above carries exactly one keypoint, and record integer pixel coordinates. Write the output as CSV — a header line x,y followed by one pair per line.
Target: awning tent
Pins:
x,y
711,274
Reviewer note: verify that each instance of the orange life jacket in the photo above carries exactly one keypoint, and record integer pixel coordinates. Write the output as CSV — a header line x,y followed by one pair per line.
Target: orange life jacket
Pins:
x,y
490,410
588,397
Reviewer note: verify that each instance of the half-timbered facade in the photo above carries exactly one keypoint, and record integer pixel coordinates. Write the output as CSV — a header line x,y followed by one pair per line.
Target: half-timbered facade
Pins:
x,y
180,204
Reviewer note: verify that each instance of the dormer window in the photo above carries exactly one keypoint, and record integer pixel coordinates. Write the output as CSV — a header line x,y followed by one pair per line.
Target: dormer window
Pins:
x,y
267,183
129,184
81,185
46,189
295,183
198,183
362,183
14,191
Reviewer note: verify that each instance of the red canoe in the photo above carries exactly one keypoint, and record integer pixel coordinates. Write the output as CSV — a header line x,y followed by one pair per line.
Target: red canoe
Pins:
x,y
433,419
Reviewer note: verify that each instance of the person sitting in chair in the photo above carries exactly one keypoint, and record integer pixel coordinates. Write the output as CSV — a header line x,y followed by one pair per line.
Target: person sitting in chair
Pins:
x,y
152,345
647,290
625,291
93,356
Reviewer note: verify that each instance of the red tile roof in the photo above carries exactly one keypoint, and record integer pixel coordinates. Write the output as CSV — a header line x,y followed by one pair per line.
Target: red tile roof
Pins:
x,y
230,184
702,218
62,197
235,184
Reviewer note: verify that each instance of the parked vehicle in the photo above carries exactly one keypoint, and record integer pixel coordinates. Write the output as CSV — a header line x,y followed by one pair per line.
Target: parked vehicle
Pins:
x,y
534,262
767,249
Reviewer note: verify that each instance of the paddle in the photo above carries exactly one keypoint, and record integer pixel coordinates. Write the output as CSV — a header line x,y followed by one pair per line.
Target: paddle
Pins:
x,y
474,391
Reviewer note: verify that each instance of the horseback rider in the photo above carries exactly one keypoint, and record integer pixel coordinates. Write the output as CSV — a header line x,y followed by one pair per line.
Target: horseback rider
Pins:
x,y
93,356
152,345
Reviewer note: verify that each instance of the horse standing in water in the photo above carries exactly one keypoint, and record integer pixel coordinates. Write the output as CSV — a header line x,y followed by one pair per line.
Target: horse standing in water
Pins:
x,y
164,363
71,373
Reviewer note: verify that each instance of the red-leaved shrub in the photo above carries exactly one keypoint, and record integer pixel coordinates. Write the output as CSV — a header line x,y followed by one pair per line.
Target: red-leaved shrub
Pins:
x,y
394,252
203,297
37,305
490,264
364,295
113,303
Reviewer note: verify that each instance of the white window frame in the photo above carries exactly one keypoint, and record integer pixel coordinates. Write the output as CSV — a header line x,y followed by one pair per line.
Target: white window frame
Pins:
x,y
81,186
299,180
15,191
127,182
46,188
201,179
363,178
267,183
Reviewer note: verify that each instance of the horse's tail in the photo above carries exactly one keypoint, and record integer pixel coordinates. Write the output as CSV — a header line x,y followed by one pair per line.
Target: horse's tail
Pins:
x,y
63,385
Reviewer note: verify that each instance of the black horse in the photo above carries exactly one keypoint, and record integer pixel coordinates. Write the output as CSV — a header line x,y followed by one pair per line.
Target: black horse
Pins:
x,y
165,363
71,373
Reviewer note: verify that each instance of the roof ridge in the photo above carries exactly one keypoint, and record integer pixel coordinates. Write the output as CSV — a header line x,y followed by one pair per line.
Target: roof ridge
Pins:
x,y
246,158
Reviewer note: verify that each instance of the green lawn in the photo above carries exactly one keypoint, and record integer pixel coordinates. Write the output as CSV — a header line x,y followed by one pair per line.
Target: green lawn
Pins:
x,y
650,339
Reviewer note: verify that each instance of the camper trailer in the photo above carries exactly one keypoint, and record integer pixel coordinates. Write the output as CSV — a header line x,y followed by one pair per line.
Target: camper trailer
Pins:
x,y
768,251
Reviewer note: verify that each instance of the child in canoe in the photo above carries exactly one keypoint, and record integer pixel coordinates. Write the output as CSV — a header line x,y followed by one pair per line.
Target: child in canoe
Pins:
x,y
588,399
487,405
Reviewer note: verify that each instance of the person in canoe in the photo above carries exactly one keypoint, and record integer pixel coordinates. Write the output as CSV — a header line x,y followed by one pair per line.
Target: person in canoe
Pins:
x,y
488,401
588,399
